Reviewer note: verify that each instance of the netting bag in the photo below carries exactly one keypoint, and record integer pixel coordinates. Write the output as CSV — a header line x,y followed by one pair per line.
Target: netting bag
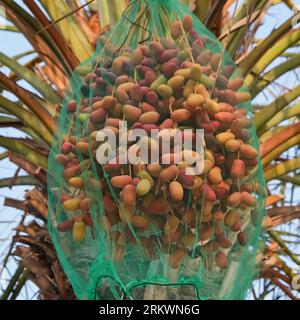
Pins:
x,y
155,183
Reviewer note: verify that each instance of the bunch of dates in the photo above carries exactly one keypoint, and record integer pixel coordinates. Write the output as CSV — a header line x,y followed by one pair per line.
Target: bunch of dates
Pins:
x,y
169,84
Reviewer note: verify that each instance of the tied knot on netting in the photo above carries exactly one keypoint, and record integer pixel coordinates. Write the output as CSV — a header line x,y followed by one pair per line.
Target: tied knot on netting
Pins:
x,y
135,23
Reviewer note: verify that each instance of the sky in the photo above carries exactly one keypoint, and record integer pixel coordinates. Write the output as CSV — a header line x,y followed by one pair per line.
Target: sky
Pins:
x,y
12,44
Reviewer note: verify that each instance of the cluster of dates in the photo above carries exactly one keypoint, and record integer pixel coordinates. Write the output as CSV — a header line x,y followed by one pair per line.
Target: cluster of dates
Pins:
x,y
169,83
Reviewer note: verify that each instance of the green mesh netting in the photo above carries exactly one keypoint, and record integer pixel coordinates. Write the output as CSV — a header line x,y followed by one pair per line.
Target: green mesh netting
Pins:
x,y
154,230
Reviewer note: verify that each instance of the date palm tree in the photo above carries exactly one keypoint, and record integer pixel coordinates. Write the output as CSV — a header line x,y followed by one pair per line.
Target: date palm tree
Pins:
x,y
64,33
